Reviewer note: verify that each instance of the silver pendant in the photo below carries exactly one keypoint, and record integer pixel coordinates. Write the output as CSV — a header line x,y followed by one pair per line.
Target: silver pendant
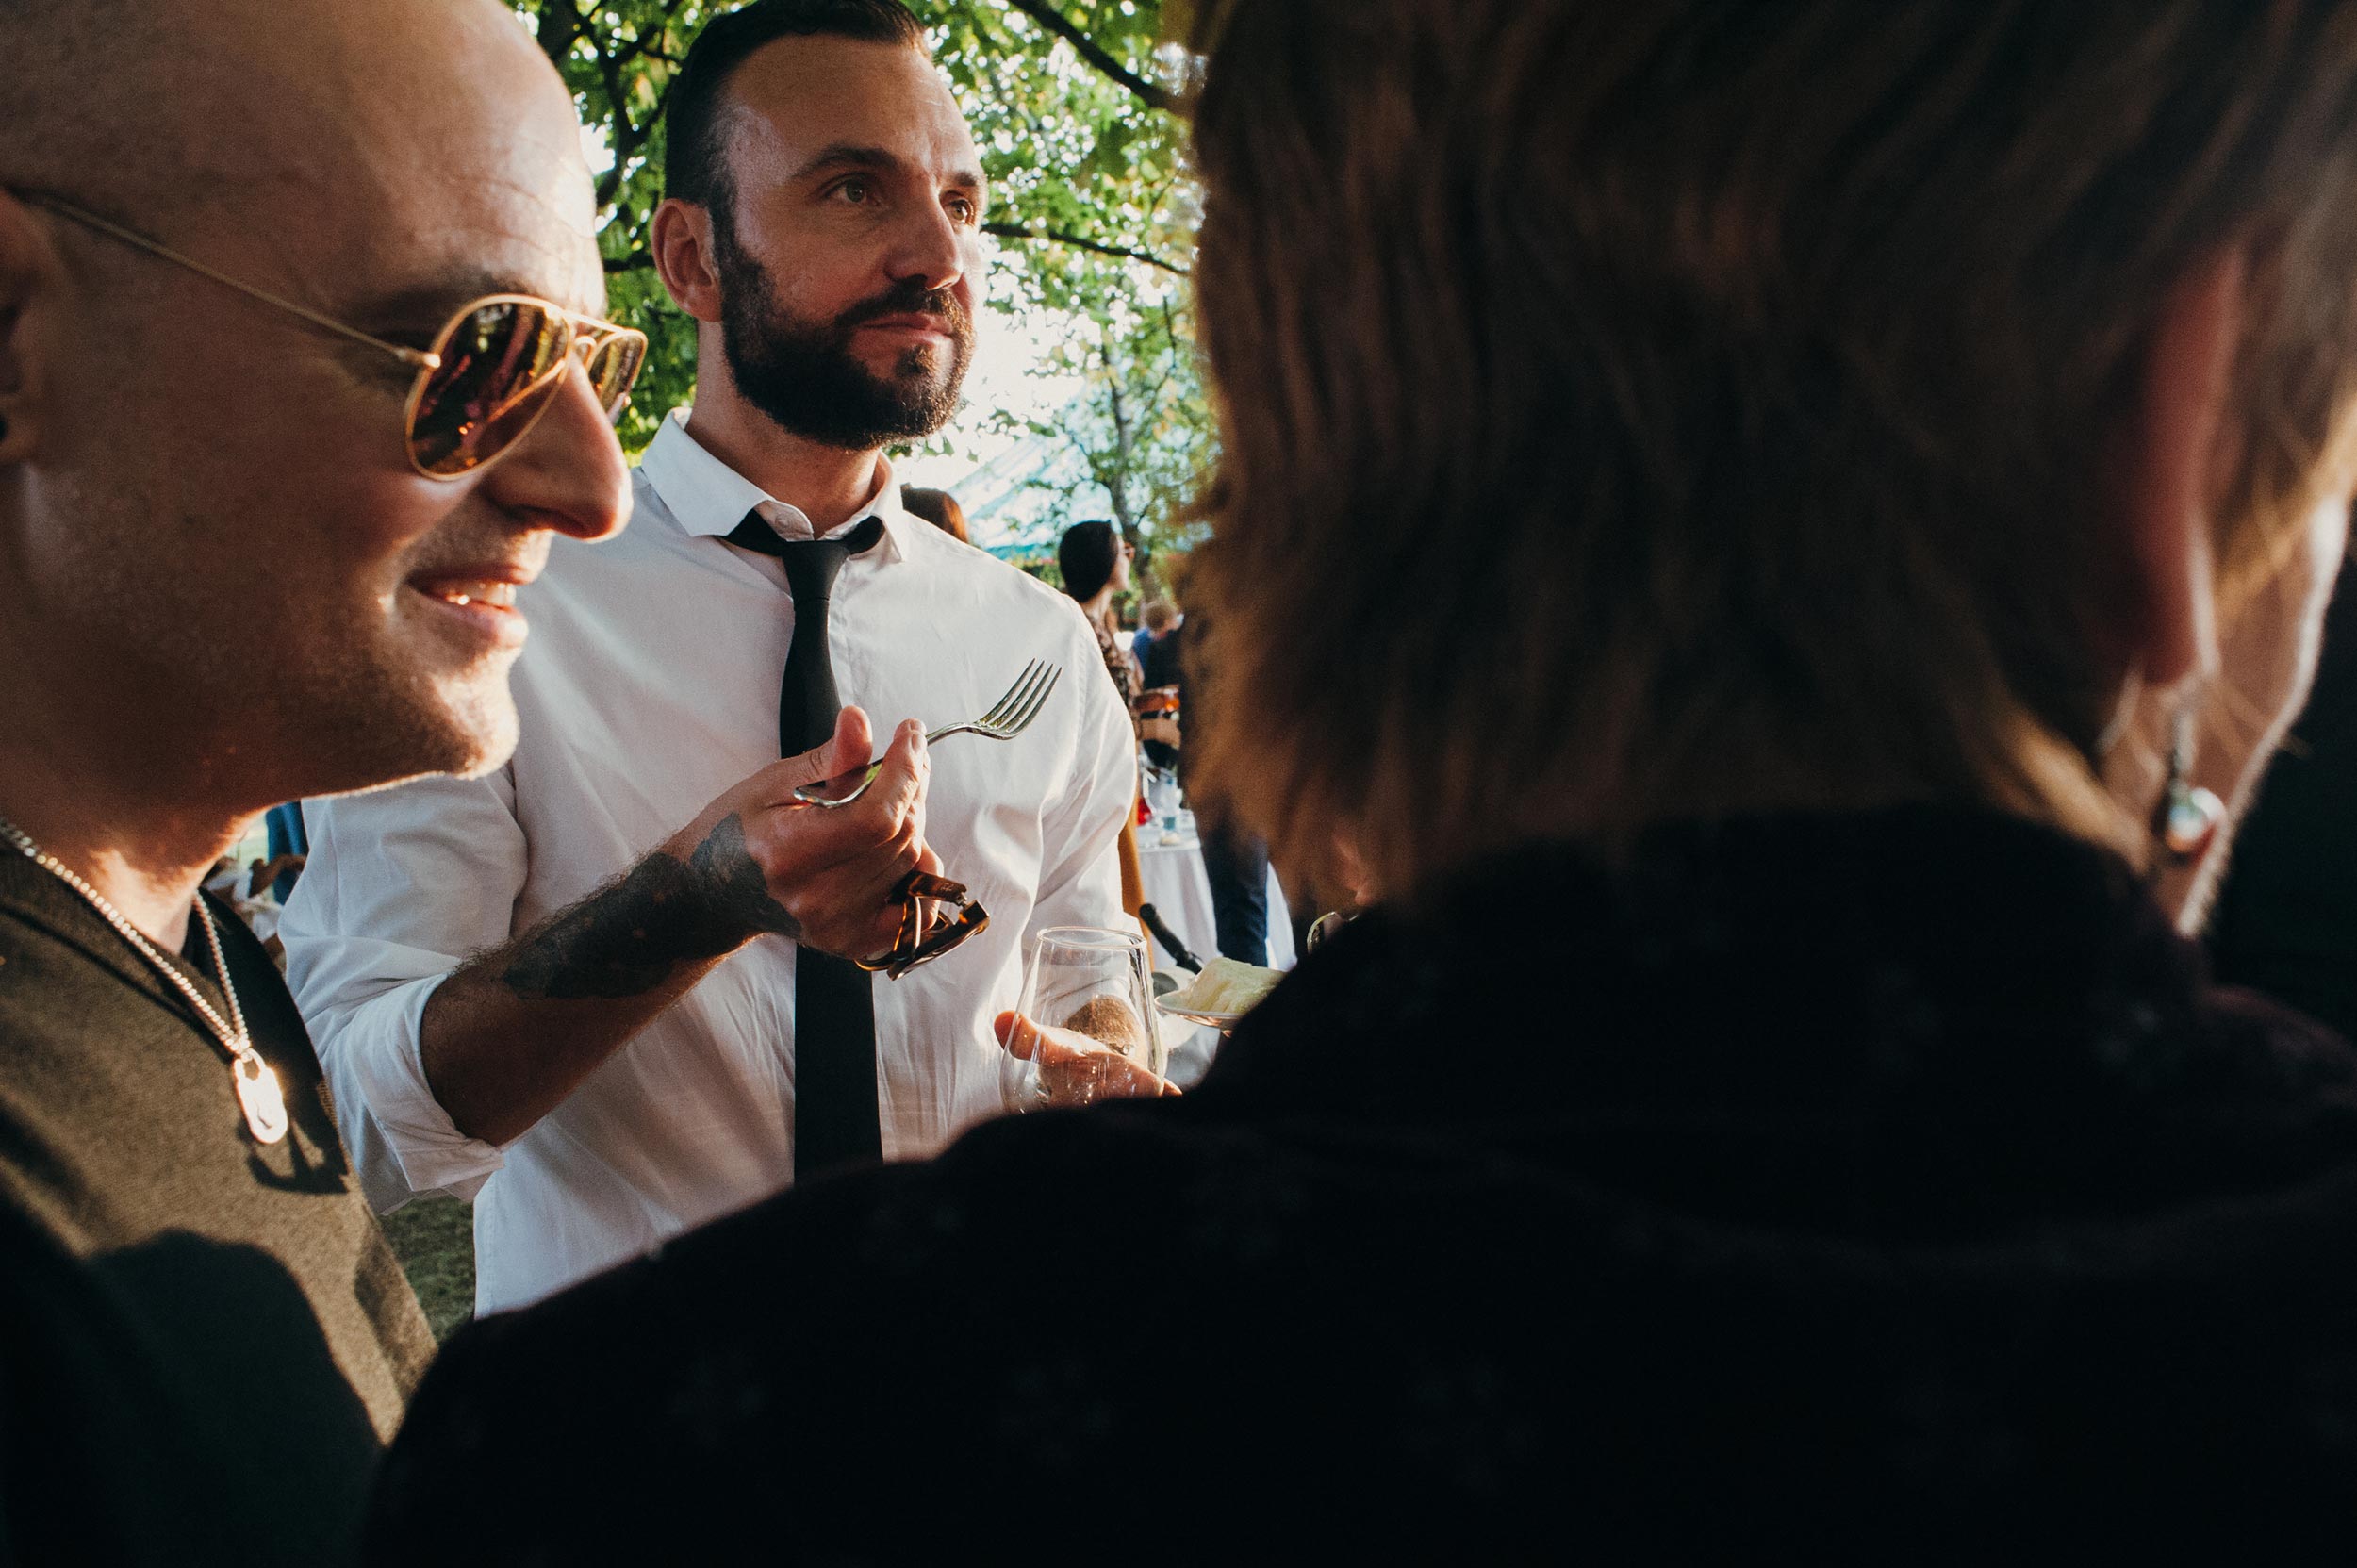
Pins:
x,y
264,1102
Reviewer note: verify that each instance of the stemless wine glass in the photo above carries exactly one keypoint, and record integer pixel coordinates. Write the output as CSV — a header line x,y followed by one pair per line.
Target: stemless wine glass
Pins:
x,y
1093,982
1163,794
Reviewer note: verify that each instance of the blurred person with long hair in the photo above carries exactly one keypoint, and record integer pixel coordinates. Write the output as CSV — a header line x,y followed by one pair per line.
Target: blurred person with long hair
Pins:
x,y
1848,495
938,508
1094,559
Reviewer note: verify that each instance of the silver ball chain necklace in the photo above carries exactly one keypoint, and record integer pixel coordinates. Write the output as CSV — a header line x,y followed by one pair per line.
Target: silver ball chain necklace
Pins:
x,y
258,1094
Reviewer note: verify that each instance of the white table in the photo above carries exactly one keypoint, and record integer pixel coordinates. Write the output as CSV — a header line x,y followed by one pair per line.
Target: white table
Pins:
x,y
1176,886
1179,890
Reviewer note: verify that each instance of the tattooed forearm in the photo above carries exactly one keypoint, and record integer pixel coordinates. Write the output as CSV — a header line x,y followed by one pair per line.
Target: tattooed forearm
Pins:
x,y
734,885
627,937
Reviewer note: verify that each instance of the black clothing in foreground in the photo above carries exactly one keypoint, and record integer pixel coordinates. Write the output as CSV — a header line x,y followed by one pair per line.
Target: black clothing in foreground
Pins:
x,y
2286,922
1889,1187
203,1340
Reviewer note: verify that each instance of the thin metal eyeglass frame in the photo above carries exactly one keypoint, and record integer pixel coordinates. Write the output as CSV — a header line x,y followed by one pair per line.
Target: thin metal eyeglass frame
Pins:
x,y
585,345
590,331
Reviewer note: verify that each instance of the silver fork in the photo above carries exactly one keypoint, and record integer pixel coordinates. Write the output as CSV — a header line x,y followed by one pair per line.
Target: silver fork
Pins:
x,y
1007,718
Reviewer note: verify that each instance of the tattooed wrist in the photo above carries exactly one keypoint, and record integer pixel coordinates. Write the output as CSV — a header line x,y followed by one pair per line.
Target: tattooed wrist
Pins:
x,y
626,939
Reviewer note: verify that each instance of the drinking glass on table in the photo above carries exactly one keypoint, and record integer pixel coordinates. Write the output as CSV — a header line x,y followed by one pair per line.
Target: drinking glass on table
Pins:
x,y
1163,794
1089,988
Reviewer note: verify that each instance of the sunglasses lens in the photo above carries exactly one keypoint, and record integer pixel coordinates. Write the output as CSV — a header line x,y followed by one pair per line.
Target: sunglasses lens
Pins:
x,y
494,378
614,368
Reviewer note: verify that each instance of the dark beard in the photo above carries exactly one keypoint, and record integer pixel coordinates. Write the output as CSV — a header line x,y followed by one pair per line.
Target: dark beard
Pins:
x,y
803,374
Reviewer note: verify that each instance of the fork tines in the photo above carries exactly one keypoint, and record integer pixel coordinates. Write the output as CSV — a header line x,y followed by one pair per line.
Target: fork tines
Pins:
x,y
1022,702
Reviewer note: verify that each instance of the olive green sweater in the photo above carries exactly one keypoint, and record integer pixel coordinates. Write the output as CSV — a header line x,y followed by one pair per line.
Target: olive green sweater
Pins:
x,y
204,1342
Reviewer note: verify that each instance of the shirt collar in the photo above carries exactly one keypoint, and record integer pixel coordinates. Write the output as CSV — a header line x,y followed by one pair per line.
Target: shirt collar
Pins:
x,y
708,498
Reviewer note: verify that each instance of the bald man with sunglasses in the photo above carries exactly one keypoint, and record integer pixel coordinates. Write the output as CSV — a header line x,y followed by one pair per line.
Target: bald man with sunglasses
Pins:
x,y
267,334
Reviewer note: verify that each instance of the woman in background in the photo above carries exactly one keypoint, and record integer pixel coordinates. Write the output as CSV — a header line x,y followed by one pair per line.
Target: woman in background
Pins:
x,y
938,508
1095,560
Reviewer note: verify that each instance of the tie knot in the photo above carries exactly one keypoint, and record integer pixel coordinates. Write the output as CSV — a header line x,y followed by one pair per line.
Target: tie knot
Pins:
x,y
810,563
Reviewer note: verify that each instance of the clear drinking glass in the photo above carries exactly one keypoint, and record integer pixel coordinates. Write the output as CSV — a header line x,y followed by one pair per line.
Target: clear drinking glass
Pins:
x,y
1163,794
1094,984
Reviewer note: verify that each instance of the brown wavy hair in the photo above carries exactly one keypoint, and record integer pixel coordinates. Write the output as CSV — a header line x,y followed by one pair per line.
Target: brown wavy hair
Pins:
x,y
1651,409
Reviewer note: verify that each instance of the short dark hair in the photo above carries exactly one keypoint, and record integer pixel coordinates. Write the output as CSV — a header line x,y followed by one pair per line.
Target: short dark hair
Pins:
x,y
695,164
1085,556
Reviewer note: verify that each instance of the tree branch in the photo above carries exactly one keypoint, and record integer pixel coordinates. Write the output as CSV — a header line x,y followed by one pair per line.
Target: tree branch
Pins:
x,y
630,137
644,42
624,136
1171,349
1048,17
1018,231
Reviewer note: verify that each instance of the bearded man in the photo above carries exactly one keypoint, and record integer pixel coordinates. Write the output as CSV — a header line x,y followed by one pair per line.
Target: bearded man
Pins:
x,y
589,1077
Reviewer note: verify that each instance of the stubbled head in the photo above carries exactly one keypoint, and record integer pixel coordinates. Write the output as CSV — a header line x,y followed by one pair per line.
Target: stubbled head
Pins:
x,y
1728,407
211,531
823,214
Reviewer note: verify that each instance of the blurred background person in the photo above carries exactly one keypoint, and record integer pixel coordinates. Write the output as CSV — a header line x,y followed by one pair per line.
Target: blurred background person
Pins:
x,y
1094,558
250,890
1157,623
1159,674
938,508
289,843
1235,858
1849,495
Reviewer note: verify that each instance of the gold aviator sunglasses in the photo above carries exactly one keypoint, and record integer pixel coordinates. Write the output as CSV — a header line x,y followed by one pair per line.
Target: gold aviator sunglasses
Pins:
x,y
494,369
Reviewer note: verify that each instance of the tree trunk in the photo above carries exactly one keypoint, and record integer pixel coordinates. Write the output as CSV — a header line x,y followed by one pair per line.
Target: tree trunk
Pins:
x,y
560,24
1118,472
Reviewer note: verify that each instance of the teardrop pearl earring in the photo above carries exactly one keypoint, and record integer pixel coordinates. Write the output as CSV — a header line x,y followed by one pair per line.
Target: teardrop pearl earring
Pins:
x,y
2189,817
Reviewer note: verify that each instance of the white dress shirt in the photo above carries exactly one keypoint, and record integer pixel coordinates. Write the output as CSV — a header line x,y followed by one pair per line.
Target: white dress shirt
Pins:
x,y
650,687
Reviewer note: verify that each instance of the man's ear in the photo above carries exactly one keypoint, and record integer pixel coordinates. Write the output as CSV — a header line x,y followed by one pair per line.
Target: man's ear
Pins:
x,y
680,239
2173,464
28,265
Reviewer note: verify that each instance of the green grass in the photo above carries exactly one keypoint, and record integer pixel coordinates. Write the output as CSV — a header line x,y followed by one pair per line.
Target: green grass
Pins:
x,y
434,1238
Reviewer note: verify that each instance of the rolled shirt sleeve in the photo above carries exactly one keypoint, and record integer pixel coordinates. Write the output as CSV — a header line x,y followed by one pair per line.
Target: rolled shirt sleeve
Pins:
x,y
401,885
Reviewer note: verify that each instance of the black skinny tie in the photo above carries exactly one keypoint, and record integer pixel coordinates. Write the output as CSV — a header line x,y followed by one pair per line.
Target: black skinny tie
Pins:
x,y
835,1120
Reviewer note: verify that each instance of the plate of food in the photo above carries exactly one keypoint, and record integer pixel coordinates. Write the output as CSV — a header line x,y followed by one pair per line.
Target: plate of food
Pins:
x,y
1222,994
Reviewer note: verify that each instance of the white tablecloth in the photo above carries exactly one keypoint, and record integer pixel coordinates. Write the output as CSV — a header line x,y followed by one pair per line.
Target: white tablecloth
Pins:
x,y
1181,892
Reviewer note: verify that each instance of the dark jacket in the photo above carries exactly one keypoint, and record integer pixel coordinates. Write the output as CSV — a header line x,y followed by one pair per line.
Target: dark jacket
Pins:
x,y
2286,923
1889,1188
1161,660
